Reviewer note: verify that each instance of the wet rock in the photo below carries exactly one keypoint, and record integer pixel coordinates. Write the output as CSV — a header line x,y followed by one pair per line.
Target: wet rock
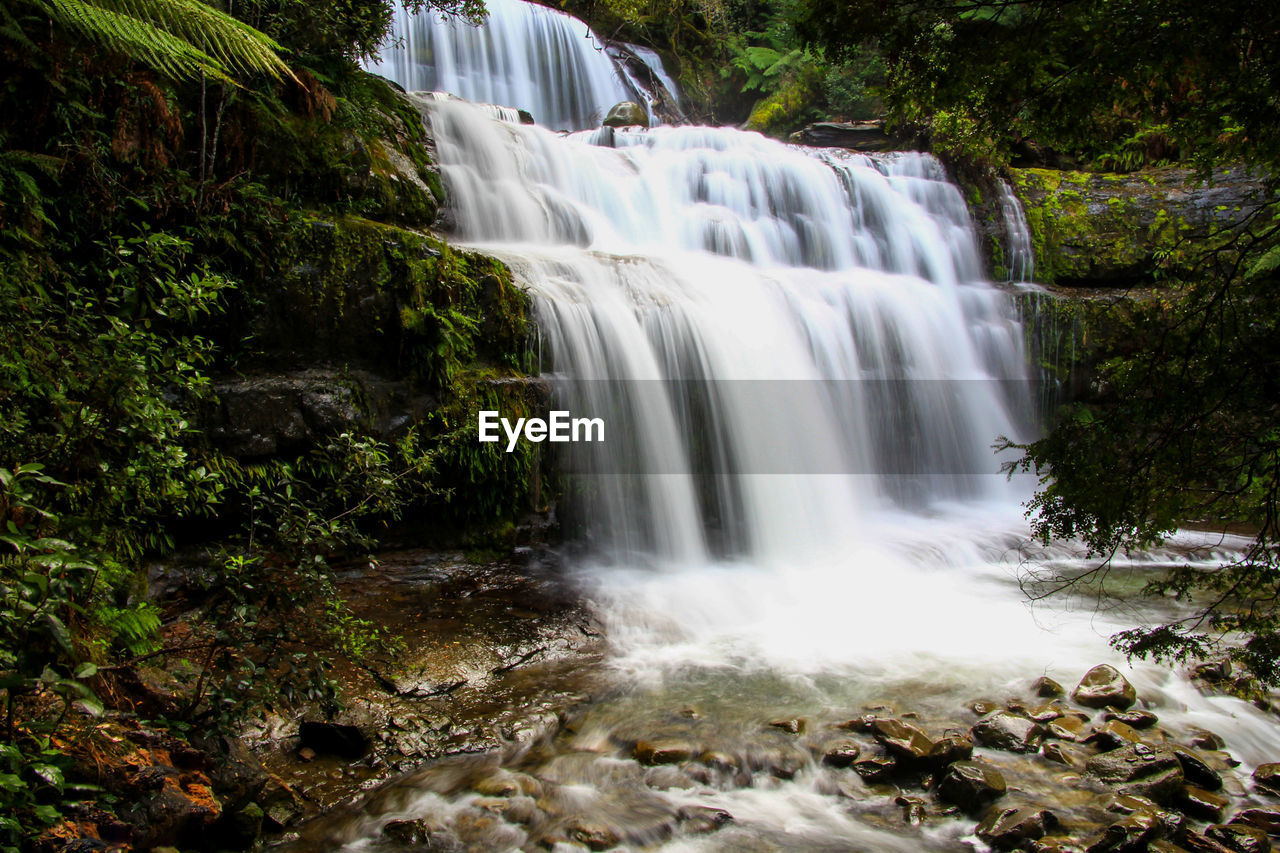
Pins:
x,y
1240,837
982,707
790,726
1139,769
1129,835
663,751
1197,770
971,785
1104,686
423,833
668,776
1113,734
856,136
1003,730
1204,739
951,749
1266,778
914,812
595,836
1045,713
902,740
1197,843
626,114
1265,818
699,820
1135,717
1071,727
1218,670
1011,828
721,761
1047,688
841,753
875,768
1170,822
1062,754
333,739
1201,804
1055,844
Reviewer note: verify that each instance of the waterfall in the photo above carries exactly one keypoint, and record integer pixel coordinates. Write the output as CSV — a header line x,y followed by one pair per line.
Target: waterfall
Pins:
x,y
1020,264
780,339
523,56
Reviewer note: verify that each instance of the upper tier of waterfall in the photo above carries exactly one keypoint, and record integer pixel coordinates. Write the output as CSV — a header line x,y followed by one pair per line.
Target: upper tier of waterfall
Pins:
x,y
524,56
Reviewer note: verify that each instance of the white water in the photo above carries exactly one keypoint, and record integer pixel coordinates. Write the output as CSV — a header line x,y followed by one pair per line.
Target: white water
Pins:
x,y
523,56
803,372
1020,263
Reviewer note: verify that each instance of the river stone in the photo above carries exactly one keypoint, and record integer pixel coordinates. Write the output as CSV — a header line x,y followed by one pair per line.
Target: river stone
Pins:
x,y
982,707
1204,739
1197,843
1104,686
1201,804
971,785
626,114
1266,778
902,739
595,836
1113,734
1062,754
1266,818
1045,713
875,768
913,810
1055,844
841,753
792,726
1171,822
662,751
951,749
1047,688
1139,769
700,820
1135,717
1129,835
1070,727
1240,837
1003,730
1197,770
1012,827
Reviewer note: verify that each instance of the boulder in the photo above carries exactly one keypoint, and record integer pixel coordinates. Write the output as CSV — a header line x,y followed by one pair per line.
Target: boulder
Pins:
x,y
1069,727
875,768
1011,828
951,749
1197,770
626,114
1135,717
1129,835
1139,769
971,785
1201,804
1003,730
902,740
592,835
664,751
1047,688
1240,837
1266,818
1266,778
1113,734
868,136
841,753
1104,686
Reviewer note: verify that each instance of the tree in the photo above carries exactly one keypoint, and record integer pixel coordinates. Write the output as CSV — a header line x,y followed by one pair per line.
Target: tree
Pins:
x,y
1118,80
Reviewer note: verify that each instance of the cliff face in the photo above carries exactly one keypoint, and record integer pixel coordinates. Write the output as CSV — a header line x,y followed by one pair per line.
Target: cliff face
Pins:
x,y
1091,229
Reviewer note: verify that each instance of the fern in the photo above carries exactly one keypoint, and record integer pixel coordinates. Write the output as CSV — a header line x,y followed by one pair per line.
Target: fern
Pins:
x,y
179,38
136,628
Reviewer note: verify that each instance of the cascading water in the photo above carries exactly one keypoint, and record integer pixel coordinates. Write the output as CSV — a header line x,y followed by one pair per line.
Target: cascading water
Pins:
x,y
523,56
798,512
1019,255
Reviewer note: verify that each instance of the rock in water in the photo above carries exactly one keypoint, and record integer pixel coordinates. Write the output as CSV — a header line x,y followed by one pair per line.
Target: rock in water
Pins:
x,y
902,739
971,785
1011,828
1003,730
626,114
1139,769
1240,837
1102,686
1267,779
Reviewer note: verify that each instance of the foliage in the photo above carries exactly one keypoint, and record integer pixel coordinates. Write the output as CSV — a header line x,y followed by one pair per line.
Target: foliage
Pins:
x,y
178,38
1182,429
1105,81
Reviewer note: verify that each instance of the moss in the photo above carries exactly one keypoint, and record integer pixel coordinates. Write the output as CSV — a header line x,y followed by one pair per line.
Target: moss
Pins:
x,y
786,110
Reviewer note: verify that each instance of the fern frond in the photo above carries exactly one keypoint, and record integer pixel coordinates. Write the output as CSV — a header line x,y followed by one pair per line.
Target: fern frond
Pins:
x,y
233,43
178,38
135,38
